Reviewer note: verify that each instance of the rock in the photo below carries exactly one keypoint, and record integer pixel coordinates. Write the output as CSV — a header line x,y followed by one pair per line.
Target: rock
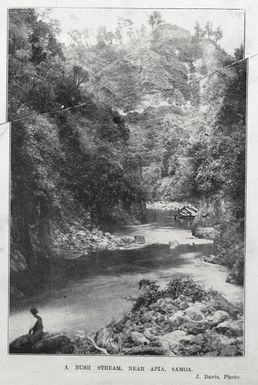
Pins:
x,y
215,344
230,328
183,297
177,318
194,313
169,300
138,327
195,327
149,350
156,329
165,303
213,353
20,345
139,239
147,325
103,244
218,317
230,350
204,232
49,344
183,305
102,336
193,350
139,338
160,302
53,344
173,244
211,259
128,323
171,308
148,316
127,240
148,333
173,340
197,339
107,339
200,306
159,318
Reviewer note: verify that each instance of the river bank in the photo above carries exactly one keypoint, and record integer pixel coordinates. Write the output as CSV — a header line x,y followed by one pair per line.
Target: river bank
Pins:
x,y
182,319
168,322
165,205
70,245
95,292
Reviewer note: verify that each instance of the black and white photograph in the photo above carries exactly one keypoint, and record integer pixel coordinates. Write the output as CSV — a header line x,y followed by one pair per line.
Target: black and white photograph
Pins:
x,y
128,181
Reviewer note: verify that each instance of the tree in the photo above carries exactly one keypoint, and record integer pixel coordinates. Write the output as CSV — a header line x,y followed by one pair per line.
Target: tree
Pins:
x,y
143,31
110,37
198,31
208,32
35,60
221,171
218,34
80,75
155,19
101,34
208,29
239,53
80,38
125,31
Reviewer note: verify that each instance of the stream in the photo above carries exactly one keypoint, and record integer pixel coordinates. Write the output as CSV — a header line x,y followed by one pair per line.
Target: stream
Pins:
x,y
96,291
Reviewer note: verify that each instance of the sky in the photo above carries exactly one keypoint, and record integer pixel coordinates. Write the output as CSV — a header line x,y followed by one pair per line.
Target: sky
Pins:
x,y
231,21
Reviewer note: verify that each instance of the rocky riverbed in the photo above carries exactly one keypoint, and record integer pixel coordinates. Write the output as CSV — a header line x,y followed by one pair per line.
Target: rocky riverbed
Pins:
x,y
82,241
165,205
176,325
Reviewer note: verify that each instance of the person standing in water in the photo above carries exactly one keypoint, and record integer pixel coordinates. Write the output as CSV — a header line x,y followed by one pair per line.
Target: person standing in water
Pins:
x,y
36,332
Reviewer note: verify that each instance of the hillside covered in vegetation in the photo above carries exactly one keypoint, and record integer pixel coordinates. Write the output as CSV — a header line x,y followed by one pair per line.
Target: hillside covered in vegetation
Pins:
x,y
112,121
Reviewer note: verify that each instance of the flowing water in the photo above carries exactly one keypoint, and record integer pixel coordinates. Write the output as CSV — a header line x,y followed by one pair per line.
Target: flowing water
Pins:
x,y
96,290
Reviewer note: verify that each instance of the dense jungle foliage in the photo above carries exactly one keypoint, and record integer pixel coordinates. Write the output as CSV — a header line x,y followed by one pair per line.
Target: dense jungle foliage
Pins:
x,y
109,122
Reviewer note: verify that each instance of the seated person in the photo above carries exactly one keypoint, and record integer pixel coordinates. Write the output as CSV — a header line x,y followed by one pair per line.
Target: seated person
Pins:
x,y
36,332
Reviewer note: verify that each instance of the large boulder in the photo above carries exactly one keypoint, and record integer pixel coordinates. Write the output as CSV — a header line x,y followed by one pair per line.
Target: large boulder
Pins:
x,y
231,350
183,305
230,328
183,297
171,308
139,338
148,316
218,317
106,339
173,244
102,336
196,327
177,318
49,344
194,312
173,341
148,333
20,345
148,350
